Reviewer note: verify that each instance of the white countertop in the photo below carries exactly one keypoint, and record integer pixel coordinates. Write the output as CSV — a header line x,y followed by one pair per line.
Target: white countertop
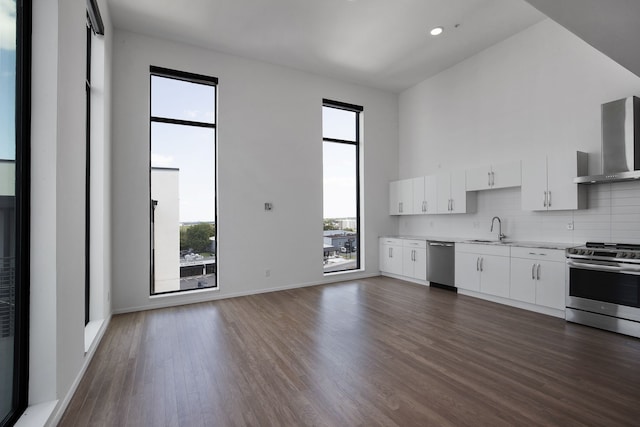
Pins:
x,y
506,242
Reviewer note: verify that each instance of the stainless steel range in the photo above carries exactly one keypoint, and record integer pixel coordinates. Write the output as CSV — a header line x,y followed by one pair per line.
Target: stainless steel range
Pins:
x,y
603,286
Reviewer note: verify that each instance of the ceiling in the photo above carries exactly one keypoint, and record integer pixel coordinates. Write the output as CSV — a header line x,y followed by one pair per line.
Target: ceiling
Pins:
x,y
611,26
379,43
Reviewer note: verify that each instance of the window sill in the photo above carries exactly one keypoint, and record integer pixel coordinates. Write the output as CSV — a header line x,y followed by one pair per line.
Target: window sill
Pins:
x,y
37,415
185,293
91,332
339,273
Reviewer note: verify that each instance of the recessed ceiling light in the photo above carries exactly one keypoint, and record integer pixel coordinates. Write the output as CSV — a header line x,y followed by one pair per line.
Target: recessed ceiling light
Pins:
x,y
436,31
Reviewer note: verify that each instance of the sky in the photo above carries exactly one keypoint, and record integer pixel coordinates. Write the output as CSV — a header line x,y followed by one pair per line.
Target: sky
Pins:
x,y
192,150
339,164
7,78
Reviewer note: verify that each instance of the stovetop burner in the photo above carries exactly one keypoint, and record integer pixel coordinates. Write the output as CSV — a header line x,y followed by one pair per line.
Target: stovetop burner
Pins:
x,y
621,252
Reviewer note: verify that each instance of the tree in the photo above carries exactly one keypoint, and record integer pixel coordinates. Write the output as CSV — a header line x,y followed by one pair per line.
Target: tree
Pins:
x,y
330,224
197,237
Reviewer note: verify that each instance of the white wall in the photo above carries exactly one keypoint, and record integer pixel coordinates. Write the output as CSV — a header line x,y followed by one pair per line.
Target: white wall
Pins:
x,y
7,178
57,354
269,150
538,91
165,190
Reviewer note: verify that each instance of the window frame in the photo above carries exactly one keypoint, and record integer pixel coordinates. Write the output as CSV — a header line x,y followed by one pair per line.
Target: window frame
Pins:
x,y
357,109
22,212
191,78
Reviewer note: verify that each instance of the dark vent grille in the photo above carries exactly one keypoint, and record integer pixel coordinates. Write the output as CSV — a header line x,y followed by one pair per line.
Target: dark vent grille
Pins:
x,y
7,296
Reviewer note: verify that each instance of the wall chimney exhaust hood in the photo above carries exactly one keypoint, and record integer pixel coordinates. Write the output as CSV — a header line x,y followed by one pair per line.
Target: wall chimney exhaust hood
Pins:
x,y
620,142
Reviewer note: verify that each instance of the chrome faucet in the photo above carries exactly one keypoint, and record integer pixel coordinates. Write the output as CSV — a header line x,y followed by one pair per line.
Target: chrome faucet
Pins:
x,y
500,235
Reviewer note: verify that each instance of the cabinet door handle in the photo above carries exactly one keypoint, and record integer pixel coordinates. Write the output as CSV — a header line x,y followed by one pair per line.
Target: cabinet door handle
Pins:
x,y
493,179
452,205
478,264
400,207
481,264
533,271
538,272
426,206
390,252
549,203
545,199
489,179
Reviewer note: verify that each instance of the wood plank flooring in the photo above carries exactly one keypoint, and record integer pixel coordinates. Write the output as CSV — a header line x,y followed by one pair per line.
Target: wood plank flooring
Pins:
x,y
374,352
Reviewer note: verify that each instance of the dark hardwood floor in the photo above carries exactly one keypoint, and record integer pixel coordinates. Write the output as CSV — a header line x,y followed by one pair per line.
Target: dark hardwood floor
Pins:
x,y
364,353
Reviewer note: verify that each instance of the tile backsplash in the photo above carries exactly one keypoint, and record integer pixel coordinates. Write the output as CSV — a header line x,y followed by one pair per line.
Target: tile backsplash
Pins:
x,y
613,215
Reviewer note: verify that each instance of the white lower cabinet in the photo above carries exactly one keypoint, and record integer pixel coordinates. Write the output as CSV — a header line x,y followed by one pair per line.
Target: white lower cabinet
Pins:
x,y
391,255
538,277
483,268
404,257
414,259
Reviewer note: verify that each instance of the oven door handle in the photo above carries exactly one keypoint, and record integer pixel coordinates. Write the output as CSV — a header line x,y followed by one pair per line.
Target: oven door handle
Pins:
x,y
614,267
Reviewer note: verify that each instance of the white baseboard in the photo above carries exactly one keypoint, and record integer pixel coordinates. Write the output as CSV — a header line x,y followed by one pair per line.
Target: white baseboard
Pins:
x,y
405,278
513,303
62,404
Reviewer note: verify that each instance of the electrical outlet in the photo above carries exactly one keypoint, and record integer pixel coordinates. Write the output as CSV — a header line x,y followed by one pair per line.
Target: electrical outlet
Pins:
x,y
570,225
267,273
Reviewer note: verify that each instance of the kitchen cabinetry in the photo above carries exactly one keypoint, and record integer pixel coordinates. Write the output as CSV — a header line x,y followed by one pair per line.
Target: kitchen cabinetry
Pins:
x,y
495,176
452,195
414,259
404,257
401,197
424,195
483,268
547,182
391,255
538,276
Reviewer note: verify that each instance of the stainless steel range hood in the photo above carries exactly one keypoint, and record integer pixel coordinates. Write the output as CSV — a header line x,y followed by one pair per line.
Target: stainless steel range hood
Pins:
x,y
620,142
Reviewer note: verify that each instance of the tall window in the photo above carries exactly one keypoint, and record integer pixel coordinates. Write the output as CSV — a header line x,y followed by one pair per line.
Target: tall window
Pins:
x,y
341,181
15,55
94,26
183,181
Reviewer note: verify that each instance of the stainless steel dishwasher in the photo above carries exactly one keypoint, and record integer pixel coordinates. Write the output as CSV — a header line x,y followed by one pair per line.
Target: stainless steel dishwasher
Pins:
x,y
441,264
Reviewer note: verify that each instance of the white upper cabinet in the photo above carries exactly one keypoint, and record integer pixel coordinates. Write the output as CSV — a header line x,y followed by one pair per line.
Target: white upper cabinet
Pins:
x,y
452,195
401,197
547,182
495,176
424,195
